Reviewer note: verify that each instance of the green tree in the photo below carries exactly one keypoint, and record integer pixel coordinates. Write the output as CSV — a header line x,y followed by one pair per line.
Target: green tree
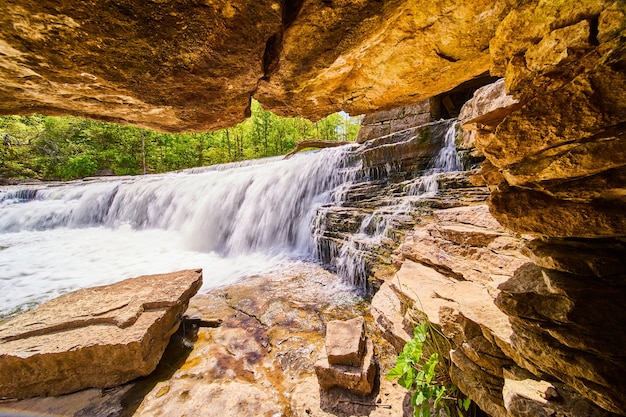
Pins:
x,y
69,147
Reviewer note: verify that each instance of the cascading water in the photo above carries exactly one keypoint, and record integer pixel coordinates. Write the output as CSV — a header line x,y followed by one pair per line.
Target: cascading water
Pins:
x,y
232,221
351,257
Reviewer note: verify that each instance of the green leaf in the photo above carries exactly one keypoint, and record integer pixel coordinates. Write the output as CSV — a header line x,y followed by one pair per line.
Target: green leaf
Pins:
x,y
405,381
466,404
440,393
395,372
420,332
418,398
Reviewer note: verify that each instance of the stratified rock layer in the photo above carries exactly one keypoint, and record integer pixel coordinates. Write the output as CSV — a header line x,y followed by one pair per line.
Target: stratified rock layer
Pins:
x,y
556,170
94,337
180,65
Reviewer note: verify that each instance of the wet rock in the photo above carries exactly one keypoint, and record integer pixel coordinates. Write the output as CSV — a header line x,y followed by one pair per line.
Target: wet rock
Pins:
x,y
94,337
260,361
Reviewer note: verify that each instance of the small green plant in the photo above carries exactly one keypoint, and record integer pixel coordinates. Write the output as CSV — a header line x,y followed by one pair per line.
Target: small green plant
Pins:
x,y
419,375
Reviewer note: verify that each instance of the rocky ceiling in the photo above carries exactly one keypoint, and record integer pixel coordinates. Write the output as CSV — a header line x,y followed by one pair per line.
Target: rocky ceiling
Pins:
x,y
177,65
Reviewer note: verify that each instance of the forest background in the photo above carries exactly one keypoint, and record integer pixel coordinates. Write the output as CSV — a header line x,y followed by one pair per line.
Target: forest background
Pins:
x,y
64,148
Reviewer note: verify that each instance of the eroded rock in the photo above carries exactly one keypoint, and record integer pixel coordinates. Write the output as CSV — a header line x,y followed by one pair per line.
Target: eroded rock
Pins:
x,y
358,379
345,341
94,337
176,66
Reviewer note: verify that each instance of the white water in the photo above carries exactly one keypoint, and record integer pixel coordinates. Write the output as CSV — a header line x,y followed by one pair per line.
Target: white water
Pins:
x,y
233,221
349,260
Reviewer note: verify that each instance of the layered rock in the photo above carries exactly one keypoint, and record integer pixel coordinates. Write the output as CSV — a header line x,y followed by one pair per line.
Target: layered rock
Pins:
x,y
179,66
375,125
396,183
95,337
555,171
455,266
347,359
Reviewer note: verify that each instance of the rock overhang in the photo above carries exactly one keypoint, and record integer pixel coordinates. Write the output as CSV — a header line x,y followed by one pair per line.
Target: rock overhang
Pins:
x,y
194,65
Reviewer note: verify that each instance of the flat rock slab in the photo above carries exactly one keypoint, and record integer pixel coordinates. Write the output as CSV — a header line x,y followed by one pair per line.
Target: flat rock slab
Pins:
x,y
94,337
345,341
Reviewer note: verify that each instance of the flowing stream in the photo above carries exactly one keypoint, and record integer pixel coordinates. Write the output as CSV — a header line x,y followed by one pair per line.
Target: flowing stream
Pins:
x,y
232,220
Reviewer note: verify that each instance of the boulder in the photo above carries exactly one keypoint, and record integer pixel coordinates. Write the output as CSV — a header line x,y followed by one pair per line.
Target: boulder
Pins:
x,y
94,337
345,341
356,379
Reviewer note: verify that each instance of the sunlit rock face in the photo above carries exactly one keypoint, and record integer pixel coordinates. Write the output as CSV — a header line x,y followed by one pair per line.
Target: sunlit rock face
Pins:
x,y
193,65
556,171
168,65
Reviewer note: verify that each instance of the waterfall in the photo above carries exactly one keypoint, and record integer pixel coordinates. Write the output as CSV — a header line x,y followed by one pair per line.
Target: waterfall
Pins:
x,y
351,257
232,220
446,160
232,209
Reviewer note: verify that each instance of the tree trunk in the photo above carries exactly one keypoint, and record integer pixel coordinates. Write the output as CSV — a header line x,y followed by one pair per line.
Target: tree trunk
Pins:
x,y
314,143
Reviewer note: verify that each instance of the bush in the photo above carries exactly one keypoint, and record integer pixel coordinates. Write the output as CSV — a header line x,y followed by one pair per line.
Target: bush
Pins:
x,y
79,166
420,375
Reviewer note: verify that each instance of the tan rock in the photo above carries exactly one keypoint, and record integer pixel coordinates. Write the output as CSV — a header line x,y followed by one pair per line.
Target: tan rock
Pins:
x,y
345,341
157,65
481,387
356,379
484,111
161,65
94,337
388,310
528,397
383,123
468,242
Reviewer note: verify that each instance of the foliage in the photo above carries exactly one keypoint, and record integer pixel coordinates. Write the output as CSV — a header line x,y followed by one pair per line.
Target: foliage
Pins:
x,y
417,372
68,147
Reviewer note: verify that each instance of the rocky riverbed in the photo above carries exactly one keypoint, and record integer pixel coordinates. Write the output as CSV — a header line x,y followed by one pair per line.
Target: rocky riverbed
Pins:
x,y
259,362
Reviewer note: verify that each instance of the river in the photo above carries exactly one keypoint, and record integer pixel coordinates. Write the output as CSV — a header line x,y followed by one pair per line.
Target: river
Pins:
x,y
232,220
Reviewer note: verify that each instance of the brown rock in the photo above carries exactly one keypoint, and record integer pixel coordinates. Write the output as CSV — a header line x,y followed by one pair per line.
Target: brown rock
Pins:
x,y
567,328
161,65
345,341
382,123
539,213
94,337
484,111
388,310
356,379
587,258
157,64
481,387
468,243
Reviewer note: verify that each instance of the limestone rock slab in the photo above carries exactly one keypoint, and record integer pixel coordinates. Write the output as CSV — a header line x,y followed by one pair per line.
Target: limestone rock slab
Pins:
x,y
345,341
94,337
356,379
